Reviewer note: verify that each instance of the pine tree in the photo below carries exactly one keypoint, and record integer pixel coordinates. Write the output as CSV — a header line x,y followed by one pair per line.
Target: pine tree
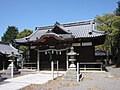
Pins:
x,y
10,34
117,11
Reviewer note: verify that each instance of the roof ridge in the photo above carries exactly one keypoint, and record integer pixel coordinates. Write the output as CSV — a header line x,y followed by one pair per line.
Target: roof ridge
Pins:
x,y
69,24
85,22
44,27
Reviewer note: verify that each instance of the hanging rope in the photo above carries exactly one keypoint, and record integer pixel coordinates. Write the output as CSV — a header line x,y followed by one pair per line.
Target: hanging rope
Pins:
x,y
53,50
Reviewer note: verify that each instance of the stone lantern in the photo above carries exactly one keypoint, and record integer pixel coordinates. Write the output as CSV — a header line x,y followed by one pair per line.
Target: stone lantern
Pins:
x,y
11,68
72,59
71,73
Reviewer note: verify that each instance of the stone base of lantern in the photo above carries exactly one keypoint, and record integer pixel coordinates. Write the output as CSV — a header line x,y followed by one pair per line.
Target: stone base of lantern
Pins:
x,y
71,74
8,71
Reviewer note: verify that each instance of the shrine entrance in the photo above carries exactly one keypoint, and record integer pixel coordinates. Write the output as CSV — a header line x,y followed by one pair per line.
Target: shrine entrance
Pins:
x,y
52,47
47,56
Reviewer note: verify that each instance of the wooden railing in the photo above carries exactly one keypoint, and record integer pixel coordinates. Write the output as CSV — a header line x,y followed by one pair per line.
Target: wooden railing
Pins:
x,y
86,64
79,75
30,65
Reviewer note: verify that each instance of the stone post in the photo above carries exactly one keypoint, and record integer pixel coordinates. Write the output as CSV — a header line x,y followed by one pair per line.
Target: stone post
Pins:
x,y
38,61
12,64
52,70
67,60
57,67
77,72
12,72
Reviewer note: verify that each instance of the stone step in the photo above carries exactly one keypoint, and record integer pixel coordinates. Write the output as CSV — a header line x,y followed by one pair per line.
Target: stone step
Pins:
x,y
70,77
71,73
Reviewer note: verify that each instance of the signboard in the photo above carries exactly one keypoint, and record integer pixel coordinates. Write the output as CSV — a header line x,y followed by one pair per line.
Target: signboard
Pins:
x,y
76,44
32,47
87,44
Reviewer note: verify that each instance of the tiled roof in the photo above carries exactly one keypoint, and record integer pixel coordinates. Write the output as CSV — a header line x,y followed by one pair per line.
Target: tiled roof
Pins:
x,y
32,37
83,29
7,49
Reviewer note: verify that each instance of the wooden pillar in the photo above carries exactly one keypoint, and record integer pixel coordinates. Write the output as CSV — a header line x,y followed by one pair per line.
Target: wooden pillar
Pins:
x,y
67,62
3,65
29,54
4,62
38,61
22,64
101,67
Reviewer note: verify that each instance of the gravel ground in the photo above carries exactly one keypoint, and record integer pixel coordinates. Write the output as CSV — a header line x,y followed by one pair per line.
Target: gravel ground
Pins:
x,y
91,81
114,71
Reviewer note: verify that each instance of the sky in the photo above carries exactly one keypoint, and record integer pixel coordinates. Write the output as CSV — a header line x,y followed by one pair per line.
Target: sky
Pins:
x,y
28,14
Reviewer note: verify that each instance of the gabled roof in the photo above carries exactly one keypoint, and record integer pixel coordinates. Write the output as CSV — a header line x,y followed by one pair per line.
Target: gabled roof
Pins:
x,y
7,49
83,29
58,29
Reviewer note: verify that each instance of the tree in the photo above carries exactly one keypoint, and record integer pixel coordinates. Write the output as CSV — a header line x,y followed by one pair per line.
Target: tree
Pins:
x,y
111,23
117,11
116,43
24,33
10,34
117,36
105,23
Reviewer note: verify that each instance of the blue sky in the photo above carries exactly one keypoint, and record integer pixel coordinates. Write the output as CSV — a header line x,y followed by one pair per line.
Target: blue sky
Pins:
x,y
28,14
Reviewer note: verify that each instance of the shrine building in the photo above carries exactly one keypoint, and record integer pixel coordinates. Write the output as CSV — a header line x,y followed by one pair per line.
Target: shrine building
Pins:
x,y
6,50
53,42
